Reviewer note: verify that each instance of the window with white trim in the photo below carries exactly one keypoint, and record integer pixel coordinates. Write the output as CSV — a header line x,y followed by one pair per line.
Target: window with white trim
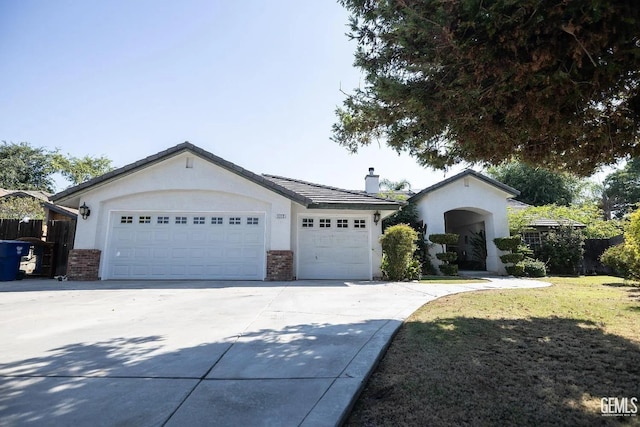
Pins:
x,y
342,223
252,220
307,222
216,220
163,220
198,220
181,220
359,223
324,223
533,239
144,220
235,220
126,220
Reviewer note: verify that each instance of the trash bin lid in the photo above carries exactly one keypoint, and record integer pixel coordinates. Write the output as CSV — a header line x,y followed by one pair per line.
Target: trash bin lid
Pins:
x,y
11,248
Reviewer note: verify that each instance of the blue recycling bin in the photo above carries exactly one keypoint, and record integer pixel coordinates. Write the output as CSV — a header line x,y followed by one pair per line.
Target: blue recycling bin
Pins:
x,y
10,253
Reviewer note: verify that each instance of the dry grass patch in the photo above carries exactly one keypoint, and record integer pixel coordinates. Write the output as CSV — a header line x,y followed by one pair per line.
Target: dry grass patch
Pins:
x,y
530,357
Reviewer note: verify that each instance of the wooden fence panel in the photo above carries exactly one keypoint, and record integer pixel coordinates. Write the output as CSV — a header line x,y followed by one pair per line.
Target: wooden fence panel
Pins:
x,y
11,229
62,234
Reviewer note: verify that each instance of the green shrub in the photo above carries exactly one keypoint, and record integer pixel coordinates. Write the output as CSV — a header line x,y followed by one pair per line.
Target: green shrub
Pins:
x,y
562,250
623,259
515,270
414,270
445,239
398,246
534,268
512,258
508,243
447,257
448,269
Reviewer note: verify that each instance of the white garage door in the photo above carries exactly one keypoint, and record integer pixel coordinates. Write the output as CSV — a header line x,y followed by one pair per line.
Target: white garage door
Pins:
x,y
159,245
333,248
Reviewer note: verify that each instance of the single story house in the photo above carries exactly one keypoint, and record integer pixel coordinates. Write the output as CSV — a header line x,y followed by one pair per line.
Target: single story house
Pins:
x,y
185,213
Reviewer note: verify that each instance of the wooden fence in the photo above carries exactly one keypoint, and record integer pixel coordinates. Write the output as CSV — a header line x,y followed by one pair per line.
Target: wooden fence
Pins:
x,y
11,229
60,233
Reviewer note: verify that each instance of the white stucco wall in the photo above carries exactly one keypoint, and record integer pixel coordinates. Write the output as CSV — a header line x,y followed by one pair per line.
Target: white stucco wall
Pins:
x,y
471,194
171,186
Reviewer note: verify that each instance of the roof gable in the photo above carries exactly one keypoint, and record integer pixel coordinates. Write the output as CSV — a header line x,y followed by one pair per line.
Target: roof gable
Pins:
x,y
307,194
466,173
166,154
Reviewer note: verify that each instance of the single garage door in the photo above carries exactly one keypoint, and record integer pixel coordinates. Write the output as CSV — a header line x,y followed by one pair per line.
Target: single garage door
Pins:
x,y
211,246
333,248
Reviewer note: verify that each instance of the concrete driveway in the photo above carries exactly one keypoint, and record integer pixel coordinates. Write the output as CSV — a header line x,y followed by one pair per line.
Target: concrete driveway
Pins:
x,y
197,353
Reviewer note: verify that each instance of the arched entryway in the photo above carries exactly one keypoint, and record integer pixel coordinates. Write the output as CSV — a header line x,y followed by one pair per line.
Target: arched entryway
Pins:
x,y
471,226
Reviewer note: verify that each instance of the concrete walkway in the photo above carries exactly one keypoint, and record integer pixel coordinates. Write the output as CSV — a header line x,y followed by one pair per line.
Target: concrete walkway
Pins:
x,y
197,353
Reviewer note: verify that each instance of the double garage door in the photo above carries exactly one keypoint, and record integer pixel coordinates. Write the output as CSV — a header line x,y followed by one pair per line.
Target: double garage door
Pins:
x,y
186,245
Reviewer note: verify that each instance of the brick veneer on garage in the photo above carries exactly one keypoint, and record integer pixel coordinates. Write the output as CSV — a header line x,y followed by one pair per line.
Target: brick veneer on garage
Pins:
x,y
279,265
83,264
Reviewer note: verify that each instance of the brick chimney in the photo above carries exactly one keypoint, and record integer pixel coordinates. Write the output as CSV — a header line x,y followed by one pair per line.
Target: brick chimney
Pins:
x,y
372,182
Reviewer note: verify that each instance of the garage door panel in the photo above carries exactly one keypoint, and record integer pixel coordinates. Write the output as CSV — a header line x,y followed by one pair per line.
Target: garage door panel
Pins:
x,y
161,236
163,247
197,237
142,253
332,252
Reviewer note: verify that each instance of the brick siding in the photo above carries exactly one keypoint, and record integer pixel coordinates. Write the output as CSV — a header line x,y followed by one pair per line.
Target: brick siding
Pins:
x,y
279,265
83,264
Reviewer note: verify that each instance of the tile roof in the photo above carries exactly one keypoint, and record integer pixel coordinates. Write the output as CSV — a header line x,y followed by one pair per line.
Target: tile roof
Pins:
x,y
517,204
549,222
42,195
325,197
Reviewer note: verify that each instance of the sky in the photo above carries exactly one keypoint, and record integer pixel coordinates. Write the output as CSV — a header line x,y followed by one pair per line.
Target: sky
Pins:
x,y
255,82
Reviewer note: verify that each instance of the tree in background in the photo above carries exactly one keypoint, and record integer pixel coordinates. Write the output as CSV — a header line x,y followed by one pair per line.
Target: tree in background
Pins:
x,y
538,186
23,167
553,84
21,207
81,169
621,189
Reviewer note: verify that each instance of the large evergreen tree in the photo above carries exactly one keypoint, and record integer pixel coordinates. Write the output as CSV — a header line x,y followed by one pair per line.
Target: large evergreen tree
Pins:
x,y
552,83
537,186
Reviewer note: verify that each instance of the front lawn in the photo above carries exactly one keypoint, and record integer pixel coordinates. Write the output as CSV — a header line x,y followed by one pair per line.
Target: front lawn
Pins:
x,y
526,357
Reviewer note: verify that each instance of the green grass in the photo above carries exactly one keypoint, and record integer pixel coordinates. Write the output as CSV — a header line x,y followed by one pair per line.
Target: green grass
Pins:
x,y
525,357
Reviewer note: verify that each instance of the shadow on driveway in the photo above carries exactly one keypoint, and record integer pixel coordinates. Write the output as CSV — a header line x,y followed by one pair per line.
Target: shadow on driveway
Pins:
x,y
267,377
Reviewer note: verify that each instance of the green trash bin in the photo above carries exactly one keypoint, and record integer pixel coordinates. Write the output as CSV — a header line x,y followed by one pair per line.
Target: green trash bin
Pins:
x,y
11,251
